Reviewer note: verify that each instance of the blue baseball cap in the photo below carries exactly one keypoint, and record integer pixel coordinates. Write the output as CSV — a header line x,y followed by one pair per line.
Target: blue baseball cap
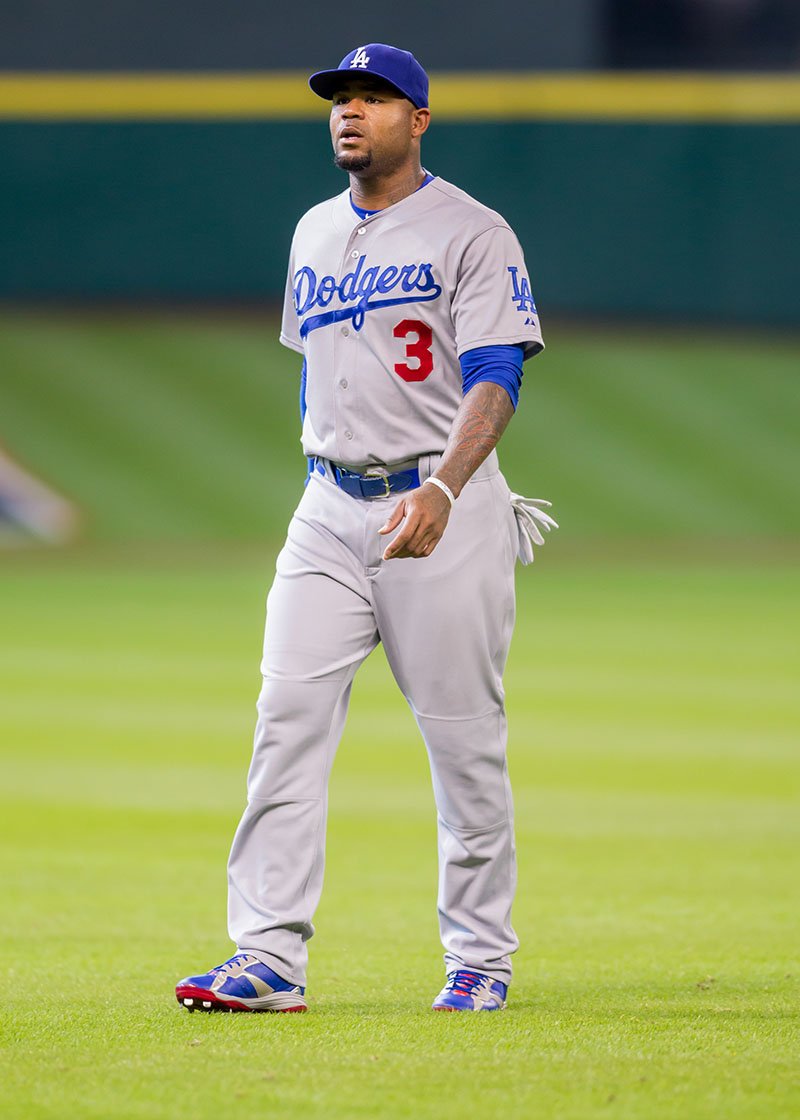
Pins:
x,y
399,68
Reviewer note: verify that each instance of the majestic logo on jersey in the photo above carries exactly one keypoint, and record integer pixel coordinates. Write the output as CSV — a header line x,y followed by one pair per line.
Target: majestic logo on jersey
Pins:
x,y
522,296
360,58
358,292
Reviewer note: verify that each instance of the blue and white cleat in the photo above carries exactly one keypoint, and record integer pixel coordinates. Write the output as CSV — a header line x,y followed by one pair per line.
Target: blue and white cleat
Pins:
x,y
471,991
241,984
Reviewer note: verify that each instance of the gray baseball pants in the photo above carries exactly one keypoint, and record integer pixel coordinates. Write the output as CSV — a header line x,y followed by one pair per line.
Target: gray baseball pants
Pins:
x,y
445,623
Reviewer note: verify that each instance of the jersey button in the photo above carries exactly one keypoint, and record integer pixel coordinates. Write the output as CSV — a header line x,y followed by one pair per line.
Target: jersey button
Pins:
x,y
345,331
354,253
362,230
348,435
343,383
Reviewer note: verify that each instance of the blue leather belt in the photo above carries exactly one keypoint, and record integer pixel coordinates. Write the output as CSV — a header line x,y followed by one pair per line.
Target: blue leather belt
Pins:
x,y
370,485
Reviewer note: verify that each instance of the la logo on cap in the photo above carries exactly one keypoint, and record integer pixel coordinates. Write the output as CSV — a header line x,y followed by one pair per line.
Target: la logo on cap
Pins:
x,y
360,58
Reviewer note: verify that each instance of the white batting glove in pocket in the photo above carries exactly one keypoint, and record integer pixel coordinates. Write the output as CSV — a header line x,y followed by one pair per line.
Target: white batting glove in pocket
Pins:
x,y
531,519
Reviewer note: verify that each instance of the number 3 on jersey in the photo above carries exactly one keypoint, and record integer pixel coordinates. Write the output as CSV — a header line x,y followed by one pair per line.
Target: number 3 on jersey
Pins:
x,y
418,349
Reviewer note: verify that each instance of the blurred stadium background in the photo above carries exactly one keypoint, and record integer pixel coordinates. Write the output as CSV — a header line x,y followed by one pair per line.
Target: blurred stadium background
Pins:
x,y
153,161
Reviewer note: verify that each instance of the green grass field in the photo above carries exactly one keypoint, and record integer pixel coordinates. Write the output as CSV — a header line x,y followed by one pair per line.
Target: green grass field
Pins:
x,y
654,709
186,427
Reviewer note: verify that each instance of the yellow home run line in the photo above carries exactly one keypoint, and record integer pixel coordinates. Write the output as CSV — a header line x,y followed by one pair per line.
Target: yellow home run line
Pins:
x,y
454,97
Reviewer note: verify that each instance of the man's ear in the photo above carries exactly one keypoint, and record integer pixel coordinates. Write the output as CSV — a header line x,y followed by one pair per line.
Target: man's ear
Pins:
x,y
422,118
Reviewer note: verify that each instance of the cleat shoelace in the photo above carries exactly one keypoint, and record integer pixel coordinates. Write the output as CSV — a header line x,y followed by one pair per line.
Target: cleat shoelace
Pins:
x,y
464,983
229,965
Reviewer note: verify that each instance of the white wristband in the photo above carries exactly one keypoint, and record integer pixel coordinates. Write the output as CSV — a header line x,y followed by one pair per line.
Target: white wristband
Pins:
x,y
445,489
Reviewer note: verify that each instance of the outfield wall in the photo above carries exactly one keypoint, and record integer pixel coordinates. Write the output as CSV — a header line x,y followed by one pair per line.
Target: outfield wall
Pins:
x,y
655,216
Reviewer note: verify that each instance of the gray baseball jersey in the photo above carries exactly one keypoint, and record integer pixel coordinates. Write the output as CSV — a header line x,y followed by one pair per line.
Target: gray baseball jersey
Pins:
x,y
382,308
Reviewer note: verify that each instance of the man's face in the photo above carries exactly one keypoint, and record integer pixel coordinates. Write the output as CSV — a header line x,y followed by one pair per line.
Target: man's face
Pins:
x,y
372,126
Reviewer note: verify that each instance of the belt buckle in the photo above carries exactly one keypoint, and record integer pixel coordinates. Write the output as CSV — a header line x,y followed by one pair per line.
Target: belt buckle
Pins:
x,y
383,475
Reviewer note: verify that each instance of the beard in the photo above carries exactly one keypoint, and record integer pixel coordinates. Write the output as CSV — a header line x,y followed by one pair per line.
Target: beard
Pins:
x,y
351,161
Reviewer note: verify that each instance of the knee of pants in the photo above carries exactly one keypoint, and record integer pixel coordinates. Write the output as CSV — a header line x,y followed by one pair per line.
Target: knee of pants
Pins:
x,y
468,767
442,697
296,733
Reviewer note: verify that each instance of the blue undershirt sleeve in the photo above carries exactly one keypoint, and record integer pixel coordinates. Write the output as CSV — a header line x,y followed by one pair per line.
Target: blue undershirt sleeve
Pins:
x,y
501,365
303,378
303,392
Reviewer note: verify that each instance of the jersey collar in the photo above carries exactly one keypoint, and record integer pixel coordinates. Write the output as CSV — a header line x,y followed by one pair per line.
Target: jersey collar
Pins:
x,y
345,218
363,214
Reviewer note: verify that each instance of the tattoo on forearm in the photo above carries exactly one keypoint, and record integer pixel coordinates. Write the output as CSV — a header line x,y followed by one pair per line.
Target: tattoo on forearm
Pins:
x,y
480,422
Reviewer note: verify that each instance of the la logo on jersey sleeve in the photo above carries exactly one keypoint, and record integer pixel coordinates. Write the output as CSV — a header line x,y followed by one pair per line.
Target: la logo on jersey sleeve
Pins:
x,y
522,295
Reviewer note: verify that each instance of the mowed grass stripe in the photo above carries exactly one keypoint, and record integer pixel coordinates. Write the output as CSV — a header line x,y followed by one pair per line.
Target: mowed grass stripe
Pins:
x,y
663,434
178,462
88,441
719,412
219,390
617,487
741,695
672,455
725,682
665,651
701,442
173,428
191,456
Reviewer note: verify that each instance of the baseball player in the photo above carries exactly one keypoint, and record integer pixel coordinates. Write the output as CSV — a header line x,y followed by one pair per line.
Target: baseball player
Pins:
x,y
411,306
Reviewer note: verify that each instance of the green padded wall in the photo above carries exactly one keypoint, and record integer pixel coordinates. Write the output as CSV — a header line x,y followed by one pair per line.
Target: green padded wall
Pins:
x,y
654,220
